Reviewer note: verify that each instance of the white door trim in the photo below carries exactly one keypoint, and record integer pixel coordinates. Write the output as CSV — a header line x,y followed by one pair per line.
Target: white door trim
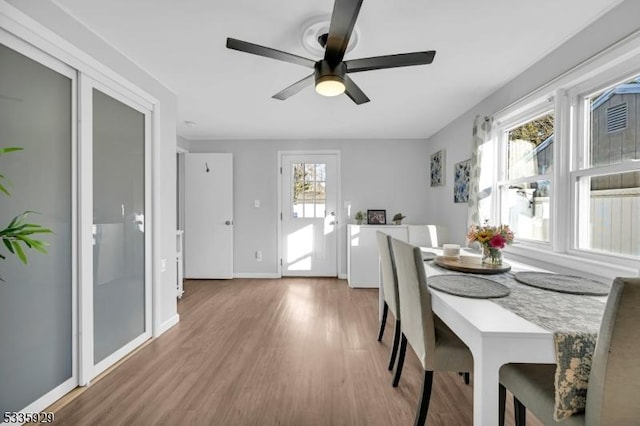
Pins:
x,y
339,209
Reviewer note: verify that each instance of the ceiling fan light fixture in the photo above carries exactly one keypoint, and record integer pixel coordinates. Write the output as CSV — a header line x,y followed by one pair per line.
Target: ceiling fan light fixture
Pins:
x,y
330,78
330,85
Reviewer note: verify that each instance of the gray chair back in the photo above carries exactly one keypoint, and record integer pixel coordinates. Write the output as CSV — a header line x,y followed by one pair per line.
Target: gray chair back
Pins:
x,y
613,393
415,302
389,275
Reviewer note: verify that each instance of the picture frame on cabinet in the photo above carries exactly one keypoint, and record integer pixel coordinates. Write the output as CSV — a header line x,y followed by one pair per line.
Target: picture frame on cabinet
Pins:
x,y
376,217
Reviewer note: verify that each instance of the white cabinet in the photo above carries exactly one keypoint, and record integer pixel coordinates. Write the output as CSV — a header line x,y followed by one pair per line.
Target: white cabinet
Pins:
x,y
363,265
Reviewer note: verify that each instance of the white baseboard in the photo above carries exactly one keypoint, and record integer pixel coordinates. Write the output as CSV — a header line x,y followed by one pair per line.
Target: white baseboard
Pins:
x,y
270,275
342,276
168,324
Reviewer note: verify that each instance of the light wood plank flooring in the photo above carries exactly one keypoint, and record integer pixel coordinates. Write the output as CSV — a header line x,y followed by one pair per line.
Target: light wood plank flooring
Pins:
x,y
293,351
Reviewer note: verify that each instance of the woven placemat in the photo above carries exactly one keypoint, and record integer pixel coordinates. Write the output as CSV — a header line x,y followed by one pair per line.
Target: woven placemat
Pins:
x,y
468,286
563,283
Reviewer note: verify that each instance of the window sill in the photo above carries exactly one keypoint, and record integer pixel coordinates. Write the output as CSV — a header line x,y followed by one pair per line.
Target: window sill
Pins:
x,y
575,262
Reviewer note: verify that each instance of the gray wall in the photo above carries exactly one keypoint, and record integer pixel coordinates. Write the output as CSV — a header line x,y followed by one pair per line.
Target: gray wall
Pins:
x,y
456,136
59,22
376,174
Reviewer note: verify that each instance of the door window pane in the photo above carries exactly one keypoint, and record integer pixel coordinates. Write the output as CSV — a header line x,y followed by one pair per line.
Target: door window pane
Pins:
x,y
309,197
36,298
118,212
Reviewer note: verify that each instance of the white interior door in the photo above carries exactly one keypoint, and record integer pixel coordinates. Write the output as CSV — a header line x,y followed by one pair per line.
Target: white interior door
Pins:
x,y
309,189
208,226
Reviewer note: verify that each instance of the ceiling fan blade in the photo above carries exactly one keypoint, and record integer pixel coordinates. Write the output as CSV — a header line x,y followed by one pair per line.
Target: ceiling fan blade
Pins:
x,y
255,49
294,88
343,19
390,61
353,91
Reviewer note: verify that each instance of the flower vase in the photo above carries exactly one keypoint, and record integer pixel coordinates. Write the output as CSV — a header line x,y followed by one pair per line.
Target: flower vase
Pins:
x,y
491,256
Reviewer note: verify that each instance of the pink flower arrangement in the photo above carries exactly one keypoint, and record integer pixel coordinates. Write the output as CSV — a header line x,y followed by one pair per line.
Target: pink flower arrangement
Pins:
x,y
491,236
492,239
498,241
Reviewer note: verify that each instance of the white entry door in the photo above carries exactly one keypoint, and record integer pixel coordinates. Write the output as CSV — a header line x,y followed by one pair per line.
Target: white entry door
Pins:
x,y
309,188
208,214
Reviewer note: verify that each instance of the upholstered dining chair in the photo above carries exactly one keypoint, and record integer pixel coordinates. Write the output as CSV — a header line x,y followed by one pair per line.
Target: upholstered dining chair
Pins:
x,y
390,287
612,395
437,347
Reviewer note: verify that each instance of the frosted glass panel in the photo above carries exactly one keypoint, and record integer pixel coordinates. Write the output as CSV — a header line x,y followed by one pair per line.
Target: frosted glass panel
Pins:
x,y
35,299
118,230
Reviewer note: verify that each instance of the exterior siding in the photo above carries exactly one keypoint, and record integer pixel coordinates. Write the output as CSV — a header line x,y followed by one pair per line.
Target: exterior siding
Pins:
x,y
612,148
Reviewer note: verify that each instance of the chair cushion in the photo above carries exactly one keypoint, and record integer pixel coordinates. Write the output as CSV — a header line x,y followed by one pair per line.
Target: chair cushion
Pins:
x,y
533,385
451,354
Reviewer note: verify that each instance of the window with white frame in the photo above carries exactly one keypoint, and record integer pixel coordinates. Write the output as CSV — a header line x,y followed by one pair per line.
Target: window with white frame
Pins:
x,y
565,170
606,175
526,147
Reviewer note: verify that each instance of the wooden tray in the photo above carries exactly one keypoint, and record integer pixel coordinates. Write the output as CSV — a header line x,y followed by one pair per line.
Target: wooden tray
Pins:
x,y
471,264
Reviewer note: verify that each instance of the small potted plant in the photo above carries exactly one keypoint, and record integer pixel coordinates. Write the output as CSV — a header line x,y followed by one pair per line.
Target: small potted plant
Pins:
x,y
359,217
397,218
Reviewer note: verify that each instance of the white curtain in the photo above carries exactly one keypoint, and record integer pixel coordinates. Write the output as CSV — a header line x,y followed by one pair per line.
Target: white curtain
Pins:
x,y
478,188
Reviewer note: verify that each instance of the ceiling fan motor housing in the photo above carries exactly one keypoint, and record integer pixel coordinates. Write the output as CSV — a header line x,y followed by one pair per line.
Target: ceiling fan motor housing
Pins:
x,y
325,71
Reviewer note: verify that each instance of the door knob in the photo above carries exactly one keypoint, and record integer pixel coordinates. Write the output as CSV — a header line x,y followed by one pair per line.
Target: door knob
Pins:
x,y
228,222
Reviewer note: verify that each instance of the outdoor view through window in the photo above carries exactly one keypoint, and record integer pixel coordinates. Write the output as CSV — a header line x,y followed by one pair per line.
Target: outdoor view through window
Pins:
x,y
525,194
611,198
309,197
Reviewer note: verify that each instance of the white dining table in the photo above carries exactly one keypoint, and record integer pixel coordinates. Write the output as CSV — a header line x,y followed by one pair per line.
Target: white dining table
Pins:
x,y
495,336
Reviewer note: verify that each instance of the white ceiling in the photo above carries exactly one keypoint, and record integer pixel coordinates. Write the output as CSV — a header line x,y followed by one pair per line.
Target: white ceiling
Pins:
x,y
480,46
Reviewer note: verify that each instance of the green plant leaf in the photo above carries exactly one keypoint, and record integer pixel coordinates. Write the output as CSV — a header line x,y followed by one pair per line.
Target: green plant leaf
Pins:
x,y
7,244
19,251
10,149
39,246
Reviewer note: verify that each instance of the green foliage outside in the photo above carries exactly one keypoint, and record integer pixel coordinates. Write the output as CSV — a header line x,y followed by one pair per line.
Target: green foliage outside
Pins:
x,y
301,183
20,234
536,131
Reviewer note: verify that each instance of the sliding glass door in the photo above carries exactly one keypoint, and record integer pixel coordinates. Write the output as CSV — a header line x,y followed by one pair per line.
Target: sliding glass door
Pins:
x,y
82,169
37,299
118,214
114,144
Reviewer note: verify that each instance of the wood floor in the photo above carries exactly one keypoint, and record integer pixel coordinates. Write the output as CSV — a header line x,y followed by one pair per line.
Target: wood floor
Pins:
x,y
290,351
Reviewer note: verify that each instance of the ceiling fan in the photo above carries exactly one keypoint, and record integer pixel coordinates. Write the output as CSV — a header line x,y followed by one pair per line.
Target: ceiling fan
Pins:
x,y
330,73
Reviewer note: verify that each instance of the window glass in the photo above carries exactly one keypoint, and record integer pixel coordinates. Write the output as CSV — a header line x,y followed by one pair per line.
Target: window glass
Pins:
x,y
614,124
526,189
526,209
530,148
309,197
611,210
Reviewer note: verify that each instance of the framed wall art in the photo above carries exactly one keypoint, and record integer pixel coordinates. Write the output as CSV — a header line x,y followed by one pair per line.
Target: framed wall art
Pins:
x,y
461,174
437,168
